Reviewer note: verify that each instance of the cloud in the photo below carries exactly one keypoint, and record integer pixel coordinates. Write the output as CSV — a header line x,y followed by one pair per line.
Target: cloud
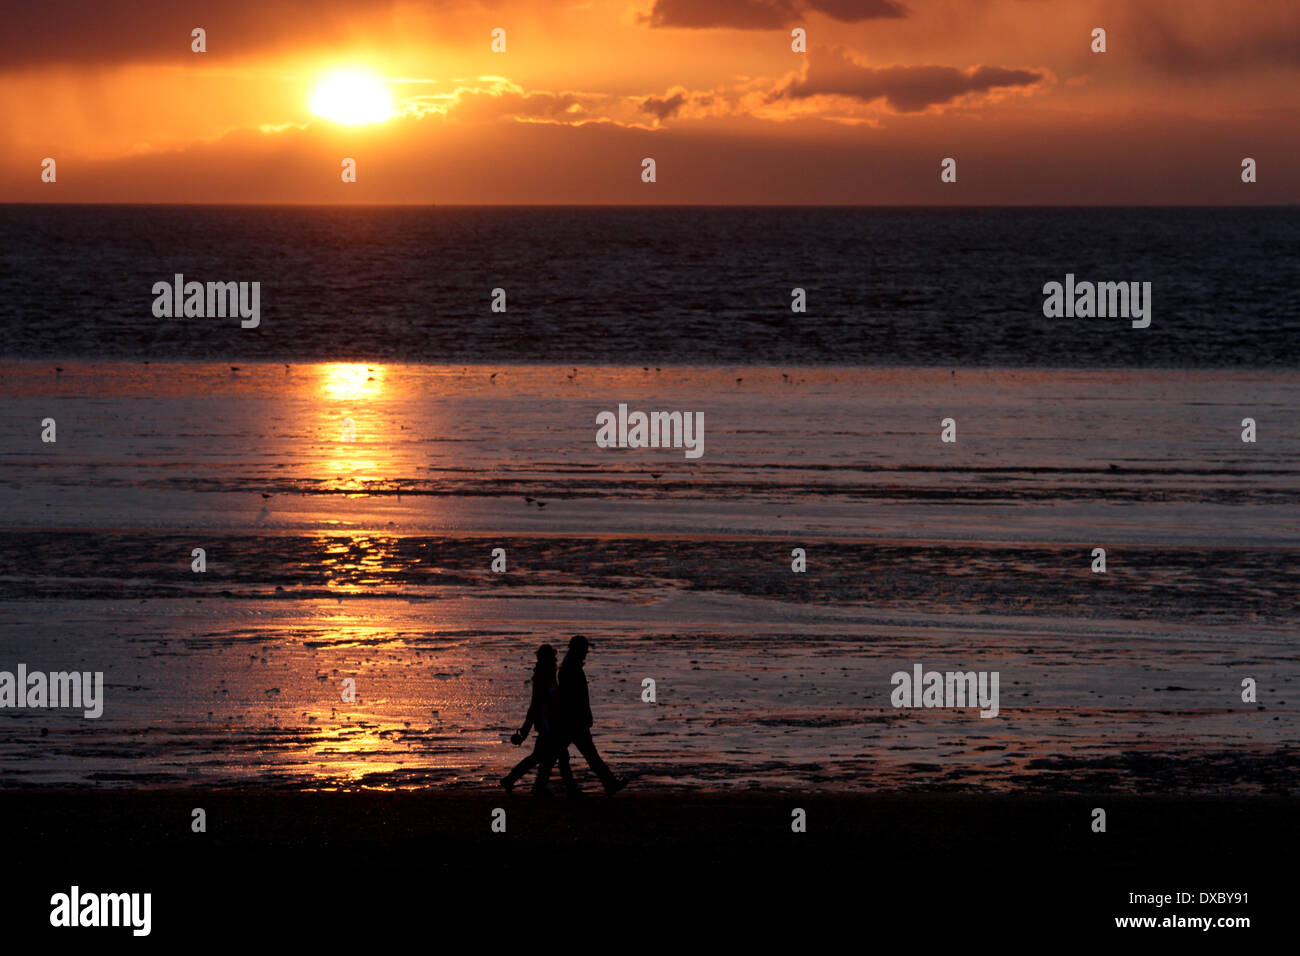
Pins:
x,y
663,108
764,14
855,11
905,89
490,98
1267,37
92,32
1041,160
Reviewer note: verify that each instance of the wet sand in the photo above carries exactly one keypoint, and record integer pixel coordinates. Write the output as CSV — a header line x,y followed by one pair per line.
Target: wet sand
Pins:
x,y
369,559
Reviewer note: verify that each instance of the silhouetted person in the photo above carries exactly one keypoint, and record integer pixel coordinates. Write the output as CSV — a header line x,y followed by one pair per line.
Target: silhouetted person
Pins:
x,y
547,748
572,710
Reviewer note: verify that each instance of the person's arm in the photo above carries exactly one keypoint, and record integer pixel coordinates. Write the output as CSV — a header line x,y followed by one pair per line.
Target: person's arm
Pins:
x,y
520,735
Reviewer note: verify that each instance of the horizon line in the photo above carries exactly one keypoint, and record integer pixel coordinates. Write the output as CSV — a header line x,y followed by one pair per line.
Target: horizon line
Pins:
x,y
669,205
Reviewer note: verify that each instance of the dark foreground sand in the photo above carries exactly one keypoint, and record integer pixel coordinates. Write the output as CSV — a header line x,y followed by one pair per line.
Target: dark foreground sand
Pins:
x,y
347,866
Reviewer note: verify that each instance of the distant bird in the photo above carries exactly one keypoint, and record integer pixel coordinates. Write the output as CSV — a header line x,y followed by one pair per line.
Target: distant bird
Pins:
x,y
658,474
541,504
234,368
265,495
572,375
492,376
739,380
1114,467
786,377
286,370
58,369
529,499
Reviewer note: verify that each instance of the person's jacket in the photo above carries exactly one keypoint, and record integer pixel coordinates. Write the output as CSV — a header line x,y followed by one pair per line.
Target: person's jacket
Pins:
x,y
573,696
539,709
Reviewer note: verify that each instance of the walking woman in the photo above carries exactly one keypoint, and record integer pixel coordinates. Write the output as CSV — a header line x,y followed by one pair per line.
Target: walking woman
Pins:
x,y
548,746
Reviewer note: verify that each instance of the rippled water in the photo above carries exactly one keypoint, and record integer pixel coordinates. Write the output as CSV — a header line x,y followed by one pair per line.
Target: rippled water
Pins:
x,y
656,287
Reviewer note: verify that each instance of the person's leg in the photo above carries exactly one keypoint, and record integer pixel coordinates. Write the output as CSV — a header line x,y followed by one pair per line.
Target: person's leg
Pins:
x,y
546,755
587,747
566,771
521,768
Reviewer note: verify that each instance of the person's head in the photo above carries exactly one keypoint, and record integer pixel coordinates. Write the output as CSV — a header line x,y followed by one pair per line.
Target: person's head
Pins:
x,y
578,647
544,669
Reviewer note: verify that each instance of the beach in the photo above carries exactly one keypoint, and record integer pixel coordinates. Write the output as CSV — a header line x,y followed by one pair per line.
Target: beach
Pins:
x,y
364,551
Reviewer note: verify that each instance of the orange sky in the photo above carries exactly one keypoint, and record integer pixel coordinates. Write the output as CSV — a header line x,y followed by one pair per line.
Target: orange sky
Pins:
x,y
709,88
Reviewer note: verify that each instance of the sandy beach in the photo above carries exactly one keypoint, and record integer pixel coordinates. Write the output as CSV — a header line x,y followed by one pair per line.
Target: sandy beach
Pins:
x,y
370,559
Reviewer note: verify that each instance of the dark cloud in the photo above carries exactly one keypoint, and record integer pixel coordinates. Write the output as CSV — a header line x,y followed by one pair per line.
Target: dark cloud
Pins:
x,y
906,89
1166,45
854,11
765,14
94,32
665,107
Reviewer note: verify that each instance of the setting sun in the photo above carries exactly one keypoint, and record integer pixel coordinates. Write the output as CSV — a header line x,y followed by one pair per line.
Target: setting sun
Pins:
x,y
351,97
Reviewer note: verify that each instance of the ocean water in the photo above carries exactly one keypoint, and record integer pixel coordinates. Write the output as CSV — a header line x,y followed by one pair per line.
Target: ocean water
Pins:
x,y
952,288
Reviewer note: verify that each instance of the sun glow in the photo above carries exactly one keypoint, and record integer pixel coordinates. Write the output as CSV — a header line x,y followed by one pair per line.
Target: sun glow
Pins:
x,y
351,97
351,381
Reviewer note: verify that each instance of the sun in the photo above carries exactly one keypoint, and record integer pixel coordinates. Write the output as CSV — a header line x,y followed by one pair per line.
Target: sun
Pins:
x,y
351,97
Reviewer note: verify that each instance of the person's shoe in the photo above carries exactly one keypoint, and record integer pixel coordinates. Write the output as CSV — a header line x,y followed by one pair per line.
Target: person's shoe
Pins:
x,y
615,785
508,784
